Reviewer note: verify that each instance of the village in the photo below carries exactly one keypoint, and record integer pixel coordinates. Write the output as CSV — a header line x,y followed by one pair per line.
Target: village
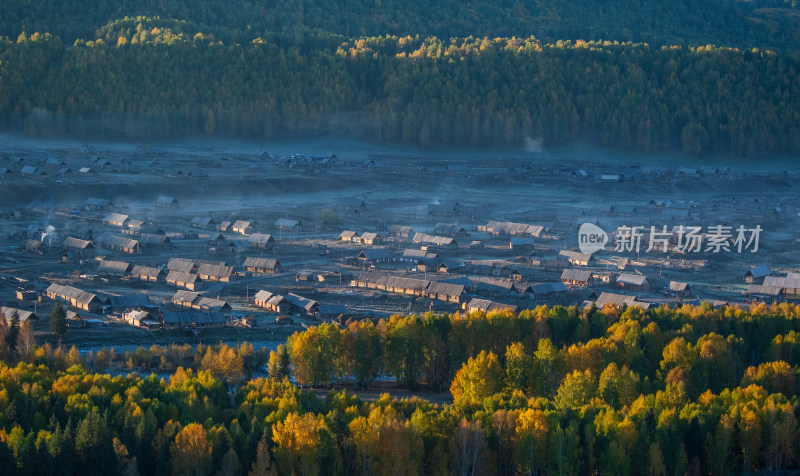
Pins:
x,y
189,243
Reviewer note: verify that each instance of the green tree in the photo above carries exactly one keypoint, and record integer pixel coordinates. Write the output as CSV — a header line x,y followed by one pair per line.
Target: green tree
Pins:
x,y
58,320
279,366
12,333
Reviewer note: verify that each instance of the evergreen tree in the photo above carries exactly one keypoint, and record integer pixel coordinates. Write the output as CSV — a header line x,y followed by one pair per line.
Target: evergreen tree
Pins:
x,y
58,320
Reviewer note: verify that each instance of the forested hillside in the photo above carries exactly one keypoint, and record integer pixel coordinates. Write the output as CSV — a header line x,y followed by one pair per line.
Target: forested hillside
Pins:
x,y
639,75
556,390
142,82
760,23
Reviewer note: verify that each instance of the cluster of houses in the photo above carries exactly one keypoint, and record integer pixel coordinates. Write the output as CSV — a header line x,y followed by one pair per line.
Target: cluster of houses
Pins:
x,y
367,238
186,273
764,284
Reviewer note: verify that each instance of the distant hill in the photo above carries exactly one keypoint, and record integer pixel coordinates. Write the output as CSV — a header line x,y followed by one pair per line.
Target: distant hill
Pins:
x,y
763,23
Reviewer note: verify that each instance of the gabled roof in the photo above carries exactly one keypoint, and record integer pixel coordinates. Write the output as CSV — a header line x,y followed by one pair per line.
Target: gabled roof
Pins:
x,y
632,279
186,297
575,255
202,221
263,296
765,290
548,288
348,234
241,225
299,301
24,315
791,281
266,263
216,270
619,300
486,306
369,236
189,318
332,309
146,271
151,239
118,241
581,275
759,271
113,267
181,277
70,242
425,239
115,218
448,289
211,304
678,286
260,239
374,254
129,300
80,296
180,264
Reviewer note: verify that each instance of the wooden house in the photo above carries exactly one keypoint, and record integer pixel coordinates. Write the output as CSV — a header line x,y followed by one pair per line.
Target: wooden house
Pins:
x,y
242,227
261,241
215,272
634,282
184,280
272,302
576,277
262,266
146,273
108,267
678,288
74,297
81,248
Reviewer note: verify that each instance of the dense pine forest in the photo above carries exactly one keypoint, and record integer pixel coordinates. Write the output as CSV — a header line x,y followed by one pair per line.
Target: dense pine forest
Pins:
x,y
693,390
700,77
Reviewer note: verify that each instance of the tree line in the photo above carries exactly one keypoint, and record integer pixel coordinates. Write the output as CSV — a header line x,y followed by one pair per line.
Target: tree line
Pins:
x,y
744,24
693,390
142,83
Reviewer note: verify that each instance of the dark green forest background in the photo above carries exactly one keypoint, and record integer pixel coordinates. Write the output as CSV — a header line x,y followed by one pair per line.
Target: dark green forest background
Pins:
x,y
632,74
